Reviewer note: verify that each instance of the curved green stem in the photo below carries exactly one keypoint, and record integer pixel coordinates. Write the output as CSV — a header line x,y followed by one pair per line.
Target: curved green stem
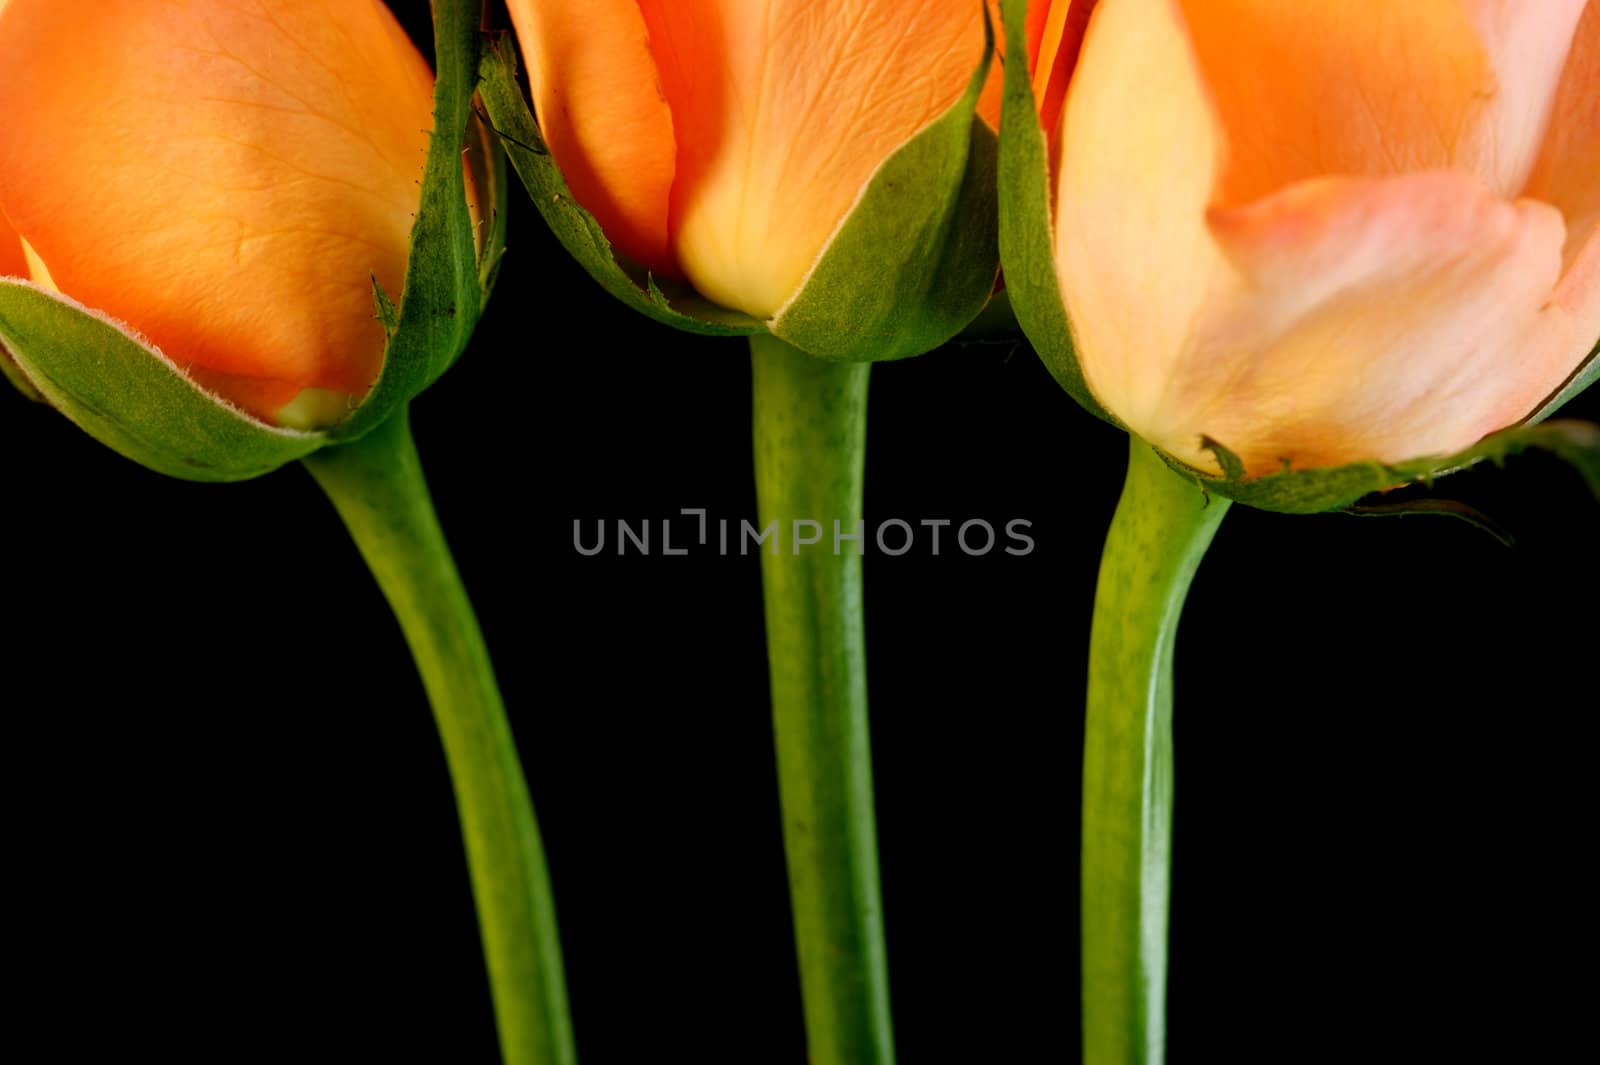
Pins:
x,y
378,488
1162,529
810,444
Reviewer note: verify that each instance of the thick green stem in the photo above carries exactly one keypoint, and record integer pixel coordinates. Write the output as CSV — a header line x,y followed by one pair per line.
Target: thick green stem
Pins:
x,y
378,488
810,444
1162,529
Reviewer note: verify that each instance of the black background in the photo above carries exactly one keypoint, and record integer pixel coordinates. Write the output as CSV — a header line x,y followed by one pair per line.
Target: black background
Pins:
x,y
230,826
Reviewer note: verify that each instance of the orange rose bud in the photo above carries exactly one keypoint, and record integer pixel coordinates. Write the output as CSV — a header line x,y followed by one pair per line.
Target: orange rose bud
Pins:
x,y
226,179
725,143
1323,233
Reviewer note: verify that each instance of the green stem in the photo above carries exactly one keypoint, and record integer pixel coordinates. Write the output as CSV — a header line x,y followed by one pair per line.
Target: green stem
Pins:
x,y
1162,529
378,488
810,444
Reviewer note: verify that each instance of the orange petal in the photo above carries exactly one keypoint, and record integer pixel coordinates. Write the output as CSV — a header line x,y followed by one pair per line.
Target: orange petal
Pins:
x,y
1340,87
1056,30
600,107
1353,87
255,394
1039,13
1371,318
994,88
225,176
784,110
12,262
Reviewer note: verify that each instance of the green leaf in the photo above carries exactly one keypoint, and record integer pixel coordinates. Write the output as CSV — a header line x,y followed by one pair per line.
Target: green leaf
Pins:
x,y
1027,250
131,398
916,260
443,290
1315,491
576,228
1586,374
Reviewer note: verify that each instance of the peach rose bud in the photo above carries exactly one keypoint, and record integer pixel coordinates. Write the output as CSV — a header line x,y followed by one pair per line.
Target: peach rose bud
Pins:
x,y
1317,234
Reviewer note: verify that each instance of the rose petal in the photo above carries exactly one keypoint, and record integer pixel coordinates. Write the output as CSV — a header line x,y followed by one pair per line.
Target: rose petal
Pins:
x,y
600,107
1371,318
1140,148
994,88
226,176
1055,37
254,394
12,262
1339,87
784,111
1526,43
1568,174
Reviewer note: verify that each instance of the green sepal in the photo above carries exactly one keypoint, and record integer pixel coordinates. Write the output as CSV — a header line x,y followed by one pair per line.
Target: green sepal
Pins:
x,y
384,310
1440,508
932,204
444,293
997,321
487,163
131,398
512,121
1027,245
1315,491
1586,374
13,373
